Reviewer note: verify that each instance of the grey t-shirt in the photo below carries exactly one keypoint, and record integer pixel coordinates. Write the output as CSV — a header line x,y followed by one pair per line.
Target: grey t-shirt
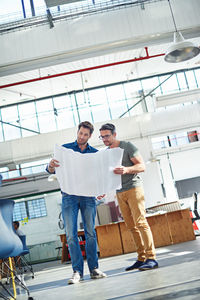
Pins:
x,y
129,181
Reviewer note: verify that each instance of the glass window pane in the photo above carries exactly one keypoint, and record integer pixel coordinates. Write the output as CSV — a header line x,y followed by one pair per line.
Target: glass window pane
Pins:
x,y
65,118
182,138
116,100
149,84
26,110
1,133
47,121
40,7
170,85
26,171
197,75
83,107
82,98
135,109
4,172
97,96
117,108
5,175
173,140
35,163
74,109
30,124
39,169
10,10
19,212
115,92
36,208
11,132
191,80
100,113
149,104
4,169
28,8
99,105
44,105
160,142
132,89
62,102
182,81
10,115
34,167
27,114
14,173
85,114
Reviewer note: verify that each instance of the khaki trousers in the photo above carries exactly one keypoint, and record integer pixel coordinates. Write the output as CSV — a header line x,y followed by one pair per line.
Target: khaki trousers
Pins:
x,y
132,206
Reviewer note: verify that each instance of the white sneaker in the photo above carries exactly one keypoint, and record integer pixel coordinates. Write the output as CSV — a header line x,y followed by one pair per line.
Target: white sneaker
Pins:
x,y
76,277
96,274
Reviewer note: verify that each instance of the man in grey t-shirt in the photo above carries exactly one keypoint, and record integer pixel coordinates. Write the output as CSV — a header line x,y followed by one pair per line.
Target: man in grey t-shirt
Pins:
x,y
131,198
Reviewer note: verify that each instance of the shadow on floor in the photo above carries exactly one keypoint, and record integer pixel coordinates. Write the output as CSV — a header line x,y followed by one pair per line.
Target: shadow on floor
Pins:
x,y
181,291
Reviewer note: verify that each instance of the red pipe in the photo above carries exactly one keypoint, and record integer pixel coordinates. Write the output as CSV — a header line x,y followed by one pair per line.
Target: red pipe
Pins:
x,y
146,49
14,179
83,70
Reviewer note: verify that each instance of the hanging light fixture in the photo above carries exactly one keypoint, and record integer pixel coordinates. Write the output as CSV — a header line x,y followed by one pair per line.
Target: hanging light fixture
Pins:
x,y
181,49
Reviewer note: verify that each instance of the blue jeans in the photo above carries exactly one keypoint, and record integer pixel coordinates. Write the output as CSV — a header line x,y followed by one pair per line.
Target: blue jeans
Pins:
x,y
70,207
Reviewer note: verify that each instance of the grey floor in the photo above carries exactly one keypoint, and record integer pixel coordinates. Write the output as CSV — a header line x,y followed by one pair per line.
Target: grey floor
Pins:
x,y
178,277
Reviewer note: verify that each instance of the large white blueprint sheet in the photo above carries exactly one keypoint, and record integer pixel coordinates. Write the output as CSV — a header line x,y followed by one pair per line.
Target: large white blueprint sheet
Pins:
x,y
88,174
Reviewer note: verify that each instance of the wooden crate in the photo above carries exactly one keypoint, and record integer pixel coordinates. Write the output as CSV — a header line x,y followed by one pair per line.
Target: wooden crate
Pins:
x,y
128,243
169,228
160,230
180,225
109,240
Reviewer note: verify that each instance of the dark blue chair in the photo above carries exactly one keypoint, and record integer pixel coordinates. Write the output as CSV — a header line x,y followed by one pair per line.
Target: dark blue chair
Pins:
x,y
10,245
22,261
25,249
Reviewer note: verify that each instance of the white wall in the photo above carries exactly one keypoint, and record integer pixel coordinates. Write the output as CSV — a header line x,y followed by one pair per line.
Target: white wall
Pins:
x,y
185,164
178,163
44,229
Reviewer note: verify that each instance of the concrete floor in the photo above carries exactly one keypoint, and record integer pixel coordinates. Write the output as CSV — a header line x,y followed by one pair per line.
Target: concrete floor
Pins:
x,y
178,277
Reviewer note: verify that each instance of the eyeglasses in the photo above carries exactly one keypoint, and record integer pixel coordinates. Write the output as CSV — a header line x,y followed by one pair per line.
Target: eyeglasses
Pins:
x,y
104,137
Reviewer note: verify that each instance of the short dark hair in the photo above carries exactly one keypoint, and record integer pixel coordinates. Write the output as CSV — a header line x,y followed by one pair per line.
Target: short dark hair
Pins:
x,y
108,126
86,124
16,223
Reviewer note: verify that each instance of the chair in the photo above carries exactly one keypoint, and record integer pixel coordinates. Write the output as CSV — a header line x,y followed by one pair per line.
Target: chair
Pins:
x,y
22,261
8,236
10,246
7,245
197,217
